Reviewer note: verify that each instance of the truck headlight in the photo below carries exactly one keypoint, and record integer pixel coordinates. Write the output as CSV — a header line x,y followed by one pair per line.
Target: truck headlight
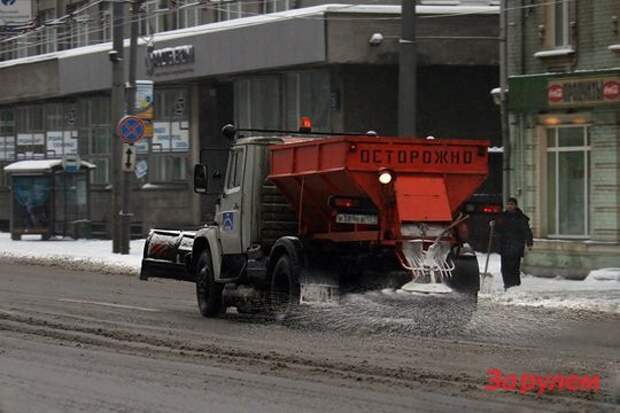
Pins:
x,y
385,177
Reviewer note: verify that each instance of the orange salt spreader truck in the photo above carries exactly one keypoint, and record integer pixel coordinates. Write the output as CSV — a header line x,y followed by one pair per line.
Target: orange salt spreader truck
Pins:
x,y
309,218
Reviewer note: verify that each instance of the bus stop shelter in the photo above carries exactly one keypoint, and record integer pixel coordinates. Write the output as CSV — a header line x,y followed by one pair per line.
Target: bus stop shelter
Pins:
x,y
50,197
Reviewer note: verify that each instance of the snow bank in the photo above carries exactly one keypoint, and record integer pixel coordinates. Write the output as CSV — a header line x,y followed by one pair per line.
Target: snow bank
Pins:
x,y
604,274
82,255
591,294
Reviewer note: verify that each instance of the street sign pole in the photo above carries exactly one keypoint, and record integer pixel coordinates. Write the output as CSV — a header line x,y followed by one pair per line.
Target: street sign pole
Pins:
x,y
130,129
127,173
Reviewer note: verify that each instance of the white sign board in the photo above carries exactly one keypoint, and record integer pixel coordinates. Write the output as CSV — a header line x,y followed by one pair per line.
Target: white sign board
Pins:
x,y
161,137
54,144
13,12
179,138
142,168
24,139
70,142
61,143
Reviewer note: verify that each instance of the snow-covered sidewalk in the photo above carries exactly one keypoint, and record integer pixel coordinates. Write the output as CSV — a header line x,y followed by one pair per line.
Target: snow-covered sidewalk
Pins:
x,y
599,292
87,255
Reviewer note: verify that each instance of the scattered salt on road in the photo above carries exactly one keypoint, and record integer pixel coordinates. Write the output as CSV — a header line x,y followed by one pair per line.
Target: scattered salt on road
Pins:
x,y
600,291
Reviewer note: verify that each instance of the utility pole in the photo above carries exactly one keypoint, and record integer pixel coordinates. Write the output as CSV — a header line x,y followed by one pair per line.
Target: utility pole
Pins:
x,y
407,68
117,111
503,86
126,215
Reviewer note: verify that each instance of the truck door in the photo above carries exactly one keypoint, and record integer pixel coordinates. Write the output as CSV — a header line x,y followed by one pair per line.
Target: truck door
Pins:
x,y
228,216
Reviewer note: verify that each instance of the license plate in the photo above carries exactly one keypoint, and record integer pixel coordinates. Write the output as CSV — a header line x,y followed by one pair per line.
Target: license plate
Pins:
x,y
356,219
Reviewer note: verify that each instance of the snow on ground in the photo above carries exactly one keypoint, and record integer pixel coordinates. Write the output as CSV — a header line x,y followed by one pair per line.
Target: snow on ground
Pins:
x,y
87,255
600,291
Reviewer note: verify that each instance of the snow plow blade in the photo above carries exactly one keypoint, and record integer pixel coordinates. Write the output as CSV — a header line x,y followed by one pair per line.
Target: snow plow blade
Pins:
x,y
167,254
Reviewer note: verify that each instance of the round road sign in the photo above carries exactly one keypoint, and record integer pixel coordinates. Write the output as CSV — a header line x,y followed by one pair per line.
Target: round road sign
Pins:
x,y
130,129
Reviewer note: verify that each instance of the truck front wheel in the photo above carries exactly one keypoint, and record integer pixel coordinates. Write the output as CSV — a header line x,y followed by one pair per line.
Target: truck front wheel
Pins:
x,y
285,292
208,292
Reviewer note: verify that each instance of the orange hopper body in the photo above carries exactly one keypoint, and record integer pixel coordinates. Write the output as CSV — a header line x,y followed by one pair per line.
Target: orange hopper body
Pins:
x,y
430,180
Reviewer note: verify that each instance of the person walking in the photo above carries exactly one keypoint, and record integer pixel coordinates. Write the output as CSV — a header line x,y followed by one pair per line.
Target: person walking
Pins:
x,y
512,228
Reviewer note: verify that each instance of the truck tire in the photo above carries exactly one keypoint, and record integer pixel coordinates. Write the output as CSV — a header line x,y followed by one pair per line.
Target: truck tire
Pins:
x,y
285,290
208,292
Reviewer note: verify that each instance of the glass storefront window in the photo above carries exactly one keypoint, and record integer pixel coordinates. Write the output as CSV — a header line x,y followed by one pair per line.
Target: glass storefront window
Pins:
x,y
568,181
7,136
308,94
100,140
170,145
100,175
168,168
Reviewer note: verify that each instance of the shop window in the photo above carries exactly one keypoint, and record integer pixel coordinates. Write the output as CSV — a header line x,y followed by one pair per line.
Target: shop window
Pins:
x,y
61,133
30,132
257,102
273,6
7,136
100,142
7,148
568,181
7,122
92,120
169,148
308,94
168,168
101,174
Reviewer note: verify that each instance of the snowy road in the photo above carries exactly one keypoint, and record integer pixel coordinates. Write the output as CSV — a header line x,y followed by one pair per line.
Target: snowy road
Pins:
x,y
83,341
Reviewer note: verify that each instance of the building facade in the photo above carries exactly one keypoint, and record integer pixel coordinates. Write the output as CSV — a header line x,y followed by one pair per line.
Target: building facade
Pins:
x,y
256,65
564,100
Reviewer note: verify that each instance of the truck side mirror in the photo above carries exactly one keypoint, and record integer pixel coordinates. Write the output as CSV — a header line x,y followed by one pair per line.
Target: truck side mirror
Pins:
x,y
201,178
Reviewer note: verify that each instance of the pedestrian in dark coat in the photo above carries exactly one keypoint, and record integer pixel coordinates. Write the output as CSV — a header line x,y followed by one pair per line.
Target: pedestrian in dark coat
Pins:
x,y
513,235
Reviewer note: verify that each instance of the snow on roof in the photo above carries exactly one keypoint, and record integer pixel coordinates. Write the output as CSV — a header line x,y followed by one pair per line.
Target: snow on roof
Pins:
x,y
43,165
306,12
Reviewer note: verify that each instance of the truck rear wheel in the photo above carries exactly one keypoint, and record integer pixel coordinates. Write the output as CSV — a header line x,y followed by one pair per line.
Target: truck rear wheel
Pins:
x,y
208,292
285,292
